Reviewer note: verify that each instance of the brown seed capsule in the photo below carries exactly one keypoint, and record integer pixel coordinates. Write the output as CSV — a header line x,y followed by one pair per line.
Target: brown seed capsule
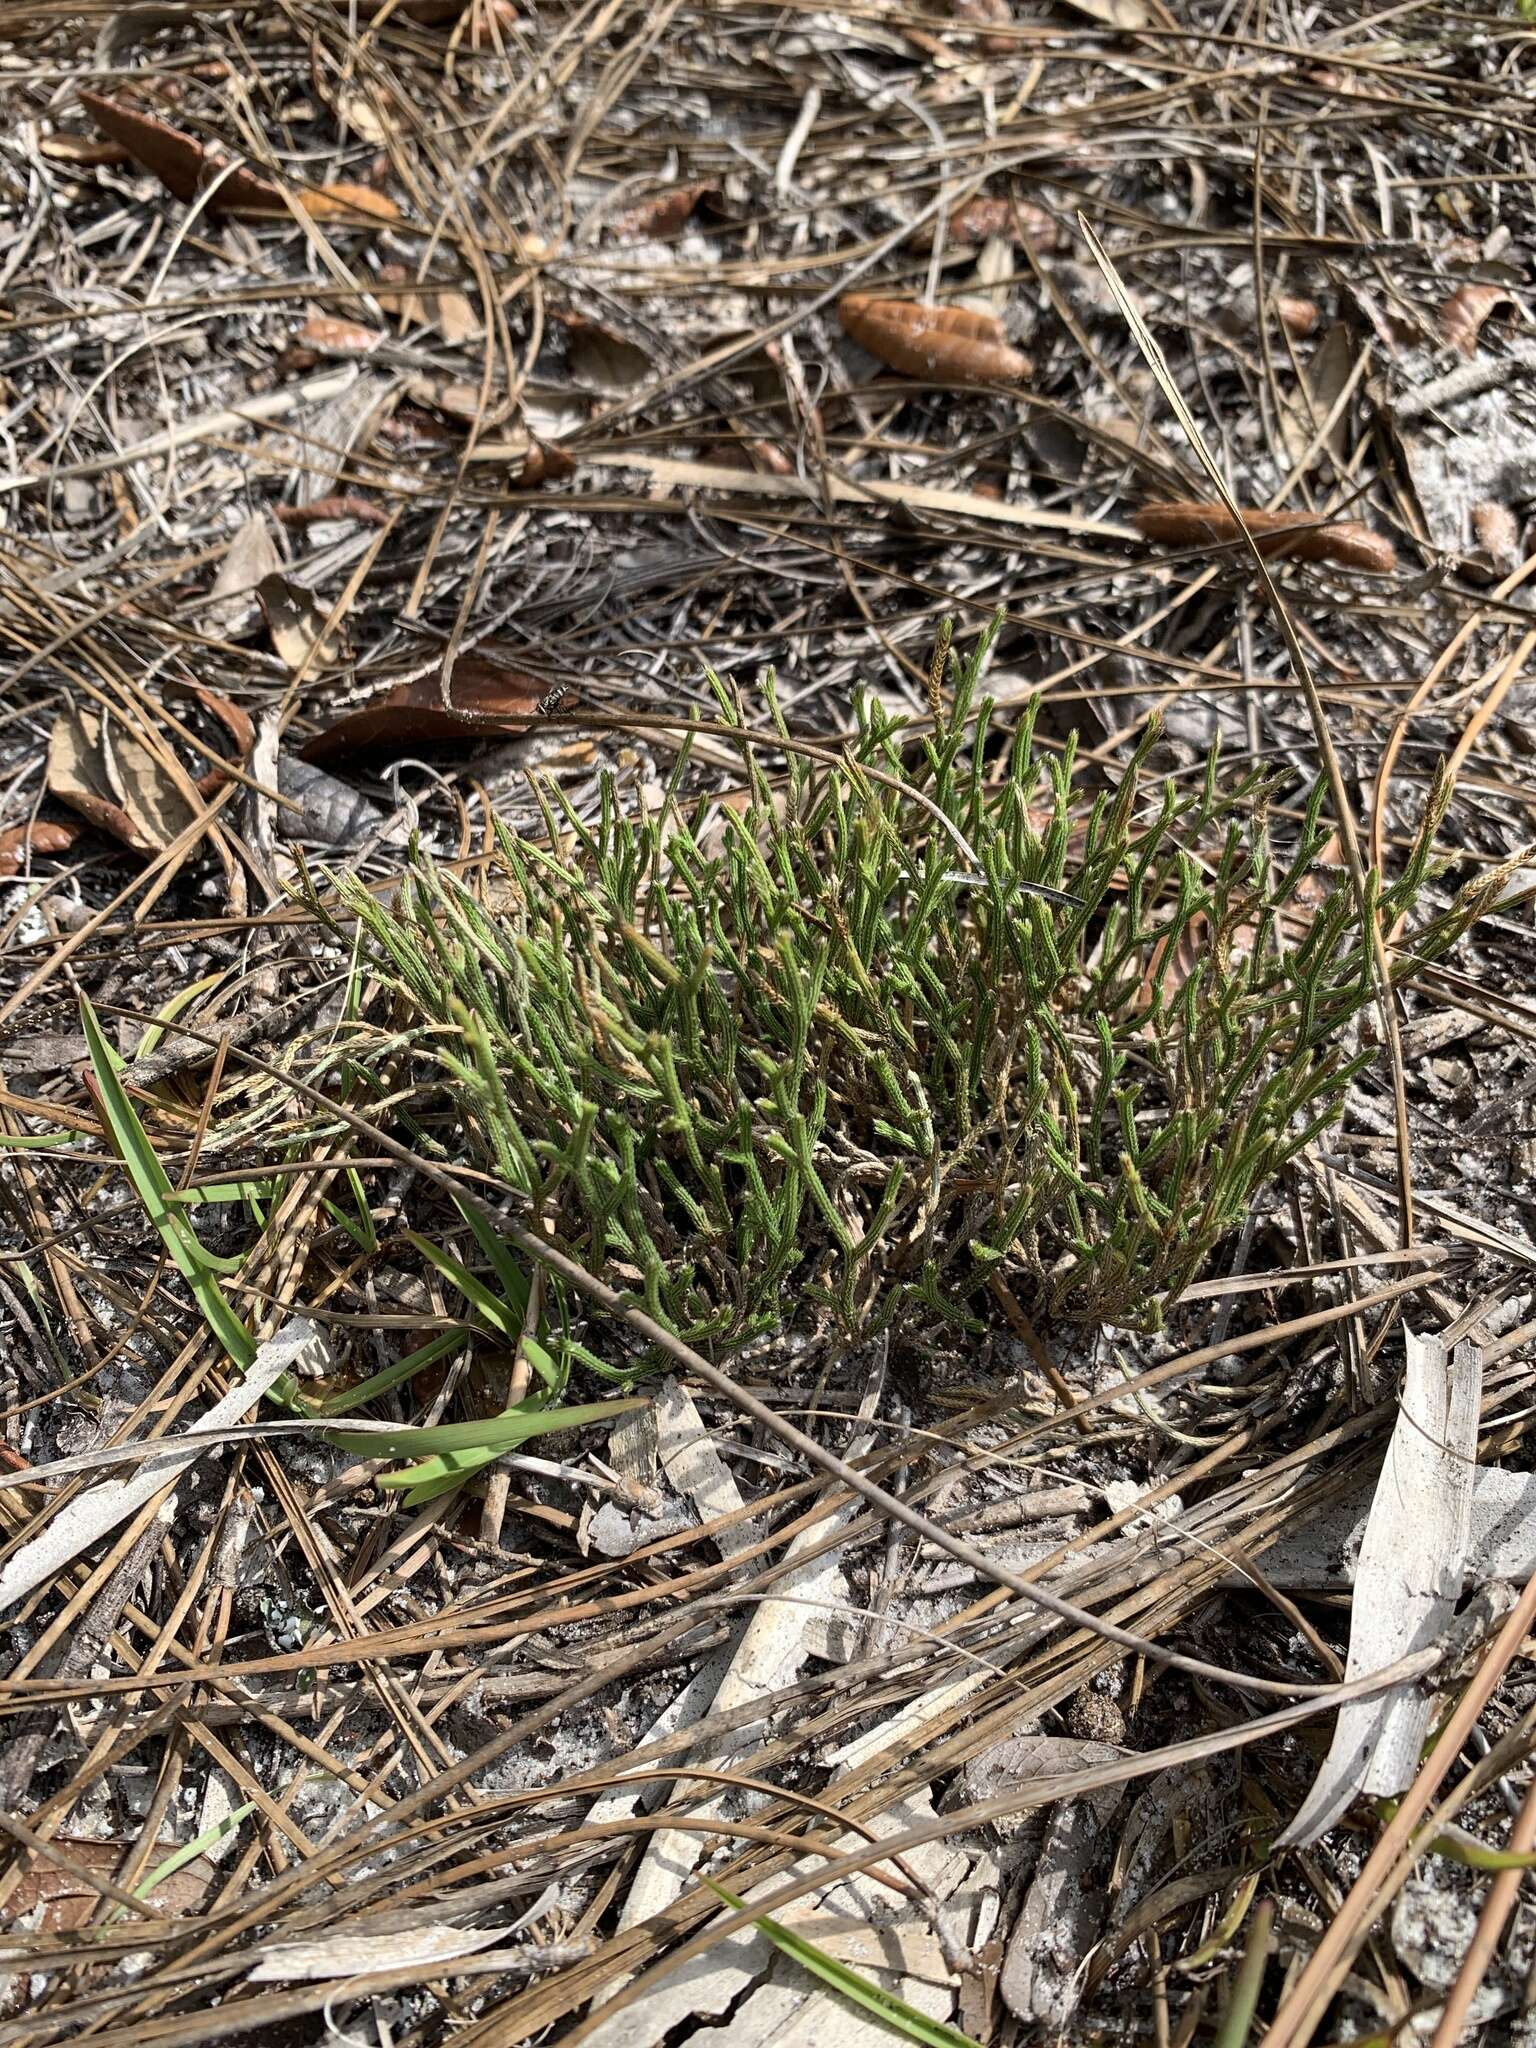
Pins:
x,y
947,344
1296,535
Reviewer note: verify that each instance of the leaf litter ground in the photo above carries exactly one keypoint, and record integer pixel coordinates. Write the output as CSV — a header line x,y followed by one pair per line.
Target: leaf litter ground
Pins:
x,y
400,405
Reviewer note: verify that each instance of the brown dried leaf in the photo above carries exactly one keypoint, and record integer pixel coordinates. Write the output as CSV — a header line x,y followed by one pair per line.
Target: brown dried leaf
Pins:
x,y
486,701
531,461
453,315
953,344
43,836
347,505
186,166
137,804
296,624
178,160
1296,535
662,215
603,361
68,1901
1461,318
1298,316
232,604
459,398
345,203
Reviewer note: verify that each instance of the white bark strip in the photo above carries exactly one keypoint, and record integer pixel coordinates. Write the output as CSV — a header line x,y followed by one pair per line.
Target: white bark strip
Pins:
x,y
1412,1564
94,1513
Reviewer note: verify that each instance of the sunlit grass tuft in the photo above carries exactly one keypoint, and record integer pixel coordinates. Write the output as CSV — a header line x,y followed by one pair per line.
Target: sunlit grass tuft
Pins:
x,y
900,1024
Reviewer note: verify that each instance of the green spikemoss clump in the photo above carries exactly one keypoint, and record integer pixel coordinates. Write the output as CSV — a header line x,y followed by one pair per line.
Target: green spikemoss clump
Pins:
x,y
836,1049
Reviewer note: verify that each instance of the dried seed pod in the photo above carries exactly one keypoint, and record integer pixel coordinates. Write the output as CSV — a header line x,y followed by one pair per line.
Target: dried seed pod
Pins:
x,y
950,344
1498,533
1015,220
328,336
1298,316
1296,535
988,14
1461,318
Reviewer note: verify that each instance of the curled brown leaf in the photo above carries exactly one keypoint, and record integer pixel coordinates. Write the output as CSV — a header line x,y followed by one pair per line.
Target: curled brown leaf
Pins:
x,y
42,836
1461,318
1296,535
950,344
660,215
105,772
346,505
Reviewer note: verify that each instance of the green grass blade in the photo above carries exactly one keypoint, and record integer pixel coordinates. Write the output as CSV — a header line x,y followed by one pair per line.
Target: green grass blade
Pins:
x,y
859,1990
188,1851
131,1143
503,1318
514,1280
493,1433
403,1369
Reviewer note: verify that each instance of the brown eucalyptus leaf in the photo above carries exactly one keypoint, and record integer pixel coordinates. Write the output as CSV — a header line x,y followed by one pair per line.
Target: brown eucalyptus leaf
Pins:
x,y
484,701
1296,535
947,344
181,163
